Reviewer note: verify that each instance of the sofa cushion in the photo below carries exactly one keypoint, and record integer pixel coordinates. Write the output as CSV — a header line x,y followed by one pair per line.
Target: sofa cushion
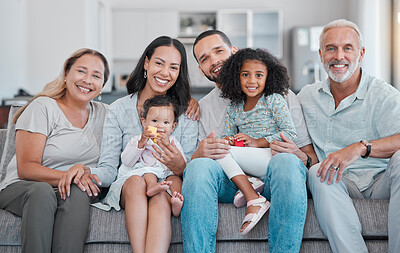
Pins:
x,y
109,227
9,145
10,229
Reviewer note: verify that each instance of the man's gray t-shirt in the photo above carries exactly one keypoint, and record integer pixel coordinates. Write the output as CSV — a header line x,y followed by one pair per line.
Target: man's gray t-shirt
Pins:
x,y
212,118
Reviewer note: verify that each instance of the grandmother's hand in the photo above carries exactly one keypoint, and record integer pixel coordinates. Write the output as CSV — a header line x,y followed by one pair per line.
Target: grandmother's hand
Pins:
x,y
75,173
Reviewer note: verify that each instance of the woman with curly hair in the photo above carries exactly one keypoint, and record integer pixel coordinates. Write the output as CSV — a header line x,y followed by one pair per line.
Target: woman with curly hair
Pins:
x,y
255,82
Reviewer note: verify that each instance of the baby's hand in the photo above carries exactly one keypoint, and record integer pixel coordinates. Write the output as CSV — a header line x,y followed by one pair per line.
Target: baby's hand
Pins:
x,y
144,138
250,142
161,137
231,140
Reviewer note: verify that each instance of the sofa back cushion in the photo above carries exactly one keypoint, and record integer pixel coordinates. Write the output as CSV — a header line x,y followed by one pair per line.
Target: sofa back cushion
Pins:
x,y
9,145
3,134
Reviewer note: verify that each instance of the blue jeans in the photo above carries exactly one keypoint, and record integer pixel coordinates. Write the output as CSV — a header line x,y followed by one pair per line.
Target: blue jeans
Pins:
x,y
205,184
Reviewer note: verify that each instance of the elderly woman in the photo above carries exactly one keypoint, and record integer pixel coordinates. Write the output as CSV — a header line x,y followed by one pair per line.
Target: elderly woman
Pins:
x,y
58,135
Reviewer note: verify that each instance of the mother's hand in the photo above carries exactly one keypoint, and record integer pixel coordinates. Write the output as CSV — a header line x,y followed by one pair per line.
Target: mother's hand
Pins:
x,y
87,182
170,156
76,172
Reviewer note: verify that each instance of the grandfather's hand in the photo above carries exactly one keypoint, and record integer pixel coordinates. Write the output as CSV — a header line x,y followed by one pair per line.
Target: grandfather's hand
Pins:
x,y
210,147
338,161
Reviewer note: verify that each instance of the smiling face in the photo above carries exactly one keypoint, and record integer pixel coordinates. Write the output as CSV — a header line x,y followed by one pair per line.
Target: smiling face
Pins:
x,y
162,69
161,117
253,76
85,78
340,53
211,52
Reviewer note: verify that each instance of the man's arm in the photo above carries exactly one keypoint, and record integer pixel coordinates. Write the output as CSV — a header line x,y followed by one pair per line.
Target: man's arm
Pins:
x,y
303,138
341,159
210,147
288,146
308,151
385,147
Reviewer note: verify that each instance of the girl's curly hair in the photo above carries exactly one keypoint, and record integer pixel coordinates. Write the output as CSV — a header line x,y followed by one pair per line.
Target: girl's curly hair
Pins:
x,y
229,77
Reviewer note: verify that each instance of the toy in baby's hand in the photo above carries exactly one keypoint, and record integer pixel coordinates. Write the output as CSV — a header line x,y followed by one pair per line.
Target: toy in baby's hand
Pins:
x,y
153,131
239,143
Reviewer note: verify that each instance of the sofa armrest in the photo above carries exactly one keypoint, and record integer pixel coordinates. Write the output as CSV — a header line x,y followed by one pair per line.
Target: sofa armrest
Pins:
x,y
8,146
3,133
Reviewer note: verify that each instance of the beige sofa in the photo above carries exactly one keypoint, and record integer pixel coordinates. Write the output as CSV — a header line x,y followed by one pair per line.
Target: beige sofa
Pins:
x,y
107,230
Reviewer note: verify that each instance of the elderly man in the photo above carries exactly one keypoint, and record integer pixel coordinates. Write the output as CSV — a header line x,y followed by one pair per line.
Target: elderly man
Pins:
x,y
354,122
205,183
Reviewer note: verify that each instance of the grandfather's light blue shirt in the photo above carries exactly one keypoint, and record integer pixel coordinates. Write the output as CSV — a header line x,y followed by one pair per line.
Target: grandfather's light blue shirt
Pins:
x,y
371,113
122,122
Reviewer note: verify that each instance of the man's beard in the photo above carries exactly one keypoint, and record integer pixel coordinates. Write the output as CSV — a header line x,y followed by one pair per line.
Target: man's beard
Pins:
x,y
210,77
340,78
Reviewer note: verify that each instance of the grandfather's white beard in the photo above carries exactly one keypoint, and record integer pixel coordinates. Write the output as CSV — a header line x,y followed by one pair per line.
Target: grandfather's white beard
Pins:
x,y
341,77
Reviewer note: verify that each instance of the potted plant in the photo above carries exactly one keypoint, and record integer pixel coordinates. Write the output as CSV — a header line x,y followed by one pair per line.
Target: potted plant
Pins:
x,y
187,25
208,23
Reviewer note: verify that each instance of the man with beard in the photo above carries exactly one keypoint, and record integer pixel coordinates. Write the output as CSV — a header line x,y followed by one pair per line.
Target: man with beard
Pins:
x,y
205,183
354,122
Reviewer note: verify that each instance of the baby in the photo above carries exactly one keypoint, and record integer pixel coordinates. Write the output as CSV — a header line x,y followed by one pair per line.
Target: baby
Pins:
x,y
160,113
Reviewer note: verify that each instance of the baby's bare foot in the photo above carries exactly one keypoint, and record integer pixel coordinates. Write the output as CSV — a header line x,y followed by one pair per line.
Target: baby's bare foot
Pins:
x,y
157,188
176,203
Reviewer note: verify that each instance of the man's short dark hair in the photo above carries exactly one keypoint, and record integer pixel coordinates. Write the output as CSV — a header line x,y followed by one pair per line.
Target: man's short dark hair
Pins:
x,y
209,33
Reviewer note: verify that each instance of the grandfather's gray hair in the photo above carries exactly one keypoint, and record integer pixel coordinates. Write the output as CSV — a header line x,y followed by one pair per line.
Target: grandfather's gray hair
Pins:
x,y
340,23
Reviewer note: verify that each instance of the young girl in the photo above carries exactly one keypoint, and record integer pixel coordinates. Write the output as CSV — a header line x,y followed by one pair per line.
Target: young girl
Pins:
x,y
255,82
161,114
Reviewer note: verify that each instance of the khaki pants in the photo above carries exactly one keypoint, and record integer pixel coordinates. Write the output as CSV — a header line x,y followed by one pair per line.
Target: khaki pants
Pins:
x,y
49,224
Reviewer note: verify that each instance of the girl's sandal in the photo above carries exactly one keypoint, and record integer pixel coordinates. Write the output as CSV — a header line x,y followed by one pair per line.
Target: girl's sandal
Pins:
x,y
239,200
253,218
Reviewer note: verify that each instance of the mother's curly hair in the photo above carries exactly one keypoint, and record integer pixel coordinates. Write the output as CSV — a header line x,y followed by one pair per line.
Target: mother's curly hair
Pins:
x,y
229,77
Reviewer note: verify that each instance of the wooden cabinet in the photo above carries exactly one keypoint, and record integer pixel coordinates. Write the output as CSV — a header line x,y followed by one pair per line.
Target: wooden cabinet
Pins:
x,y
253,28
